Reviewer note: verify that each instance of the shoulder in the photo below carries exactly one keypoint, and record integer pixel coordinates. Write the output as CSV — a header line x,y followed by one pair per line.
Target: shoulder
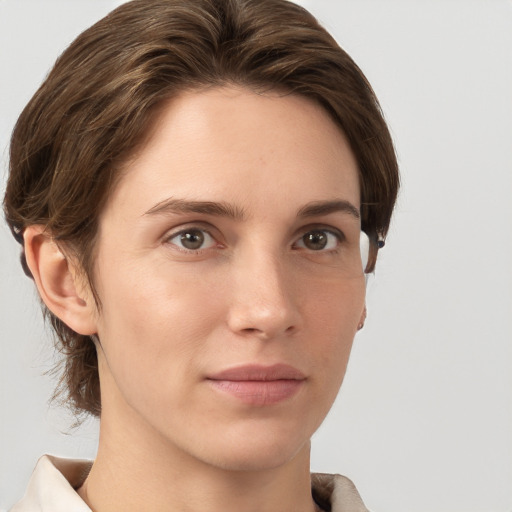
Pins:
x,y
336,493
52,486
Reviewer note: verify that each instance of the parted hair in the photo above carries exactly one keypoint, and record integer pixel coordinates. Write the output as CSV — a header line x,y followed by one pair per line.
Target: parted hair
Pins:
x,y
98,102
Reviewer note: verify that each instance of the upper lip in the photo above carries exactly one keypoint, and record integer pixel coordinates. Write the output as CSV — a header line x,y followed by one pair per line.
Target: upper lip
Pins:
x,y
254,372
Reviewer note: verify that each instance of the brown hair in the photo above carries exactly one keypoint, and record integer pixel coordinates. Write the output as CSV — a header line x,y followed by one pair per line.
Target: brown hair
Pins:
x,y
101,96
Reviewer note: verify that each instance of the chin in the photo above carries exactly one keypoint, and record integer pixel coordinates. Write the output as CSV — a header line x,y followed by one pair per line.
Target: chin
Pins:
x,y
256,461
256,452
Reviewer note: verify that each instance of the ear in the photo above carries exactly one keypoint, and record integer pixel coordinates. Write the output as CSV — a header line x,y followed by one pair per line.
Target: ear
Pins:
x,y
360,325
58,282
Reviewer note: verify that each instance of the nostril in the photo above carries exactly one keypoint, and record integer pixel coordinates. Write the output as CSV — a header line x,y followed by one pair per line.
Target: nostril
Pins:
x,y
266,333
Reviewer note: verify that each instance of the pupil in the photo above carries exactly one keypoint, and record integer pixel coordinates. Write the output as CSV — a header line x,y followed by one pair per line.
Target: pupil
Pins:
x,y
192,239
315,240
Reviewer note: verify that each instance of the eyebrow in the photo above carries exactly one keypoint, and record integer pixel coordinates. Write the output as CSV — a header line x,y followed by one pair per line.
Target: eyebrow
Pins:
x,y
219,209
317,208
223,209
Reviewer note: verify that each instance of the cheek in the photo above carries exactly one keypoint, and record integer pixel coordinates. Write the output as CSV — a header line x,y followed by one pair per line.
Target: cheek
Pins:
x,y
156,296
334,316
153,324
335,308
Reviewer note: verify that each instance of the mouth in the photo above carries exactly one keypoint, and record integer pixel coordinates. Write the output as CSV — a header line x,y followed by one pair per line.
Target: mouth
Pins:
x,y
259,385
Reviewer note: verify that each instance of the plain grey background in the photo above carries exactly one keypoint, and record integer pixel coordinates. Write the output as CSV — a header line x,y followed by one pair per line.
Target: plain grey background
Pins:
x,y
424,419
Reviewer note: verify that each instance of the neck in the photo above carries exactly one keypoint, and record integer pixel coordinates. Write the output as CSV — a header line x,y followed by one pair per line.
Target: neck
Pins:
x,y
136,469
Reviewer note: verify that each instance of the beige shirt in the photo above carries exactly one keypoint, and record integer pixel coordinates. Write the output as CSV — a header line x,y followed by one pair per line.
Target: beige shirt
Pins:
x,y
53,483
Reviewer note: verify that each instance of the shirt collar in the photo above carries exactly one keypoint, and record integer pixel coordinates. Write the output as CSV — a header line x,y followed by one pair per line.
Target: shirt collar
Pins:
x,y
52,486
54,480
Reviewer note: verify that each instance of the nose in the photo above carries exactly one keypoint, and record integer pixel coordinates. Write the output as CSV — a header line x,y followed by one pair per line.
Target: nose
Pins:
x,y
264,299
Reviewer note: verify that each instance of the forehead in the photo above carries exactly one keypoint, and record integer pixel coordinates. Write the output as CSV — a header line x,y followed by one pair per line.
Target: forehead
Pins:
x,y
235,145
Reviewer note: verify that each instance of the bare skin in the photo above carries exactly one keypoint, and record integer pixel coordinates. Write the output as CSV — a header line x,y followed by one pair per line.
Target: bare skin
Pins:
x,y
231,240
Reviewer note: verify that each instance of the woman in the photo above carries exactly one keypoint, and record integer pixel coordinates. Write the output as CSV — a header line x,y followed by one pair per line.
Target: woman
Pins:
x,y
189,186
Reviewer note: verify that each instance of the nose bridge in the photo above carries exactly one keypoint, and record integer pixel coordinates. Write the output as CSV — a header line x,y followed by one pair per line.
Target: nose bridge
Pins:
x,y
263,300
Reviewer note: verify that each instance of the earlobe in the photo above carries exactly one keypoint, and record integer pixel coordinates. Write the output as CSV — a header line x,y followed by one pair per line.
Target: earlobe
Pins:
x,y
57,281
360,325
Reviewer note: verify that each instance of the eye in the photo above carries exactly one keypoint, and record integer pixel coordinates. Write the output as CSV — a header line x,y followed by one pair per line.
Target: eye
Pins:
x,y
319,240
192,239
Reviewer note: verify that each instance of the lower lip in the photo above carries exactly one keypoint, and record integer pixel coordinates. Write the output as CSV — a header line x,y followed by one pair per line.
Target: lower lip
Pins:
x,y
259,392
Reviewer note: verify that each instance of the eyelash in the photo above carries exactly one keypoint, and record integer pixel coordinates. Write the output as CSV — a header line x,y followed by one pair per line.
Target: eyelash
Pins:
x,y
339,236
189,230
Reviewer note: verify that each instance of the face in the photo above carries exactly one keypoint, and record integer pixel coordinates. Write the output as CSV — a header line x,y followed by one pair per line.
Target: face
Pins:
x,y
230,278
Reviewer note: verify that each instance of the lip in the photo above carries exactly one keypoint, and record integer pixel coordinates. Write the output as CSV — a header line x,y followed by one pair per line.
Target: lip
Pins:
x,y
259,385
257,372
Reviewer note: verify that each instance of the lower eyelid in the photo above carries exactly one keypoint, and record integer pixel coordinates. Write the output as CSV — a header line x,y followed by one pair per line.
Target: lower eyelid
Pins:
x,y
337,235
213,240
211,243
